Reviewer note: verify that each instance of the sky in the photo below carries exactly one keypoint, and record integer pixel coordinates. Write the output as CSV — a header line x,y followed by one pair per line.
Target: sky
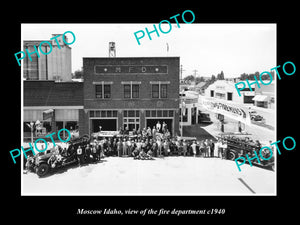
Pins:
x,y
207,48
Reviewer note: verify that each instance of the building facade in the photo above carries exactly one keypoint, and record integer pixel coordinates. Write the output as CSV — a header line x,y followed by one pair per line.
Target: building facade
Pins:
x,y
134,92
64,99
225,90
265,96
53,66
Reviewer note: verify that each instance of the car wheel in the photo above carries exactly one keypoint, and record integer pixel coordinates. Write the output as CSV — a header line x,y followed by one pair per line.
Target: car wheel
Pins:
x,y
231,156
42,169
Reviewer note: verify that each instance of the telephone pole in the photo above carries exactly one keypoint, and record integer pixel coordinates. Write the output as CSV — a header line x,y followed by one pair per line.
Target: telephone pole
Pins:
x,y
181,70
195,73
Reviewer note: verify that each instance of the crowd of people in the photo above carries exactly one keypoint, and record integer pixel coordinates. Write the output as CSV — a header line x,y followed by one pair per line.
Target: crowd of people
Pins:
x,y
144,144
149,143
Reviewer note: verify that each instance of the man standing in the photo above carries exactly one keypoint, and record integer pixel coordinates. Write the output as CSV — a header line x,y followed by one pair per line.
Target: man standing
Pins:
x,y
194,145
212,148
79,155
158,126
88,153
206,148
124,147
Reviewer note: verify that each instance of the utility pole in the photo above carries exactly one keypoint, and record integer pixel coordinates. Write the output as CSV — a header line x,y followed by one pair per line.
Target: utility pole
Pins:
x,y
181,70
195,73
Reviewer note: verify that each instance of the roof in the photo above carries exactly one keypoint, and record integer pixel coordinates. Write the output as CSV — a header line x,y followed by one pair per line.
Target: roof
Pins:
x,y
201,84
51,93
260,98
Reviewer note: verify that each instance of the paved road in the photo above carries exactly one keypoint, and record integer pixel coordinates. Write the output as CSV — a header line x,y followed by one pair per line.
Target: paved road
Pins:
x,y
162,176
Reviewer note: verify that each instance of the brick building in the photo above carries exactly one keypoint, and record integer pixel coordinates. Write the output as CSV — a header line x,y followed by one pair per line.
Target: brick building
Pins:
x,y
135,92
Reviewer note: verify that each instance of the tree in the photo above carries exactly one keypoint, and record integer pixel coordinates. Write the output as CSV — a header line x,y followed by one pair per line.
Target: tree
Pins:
x,y
199,79
189,79
213,78
244,76
77,74
220,76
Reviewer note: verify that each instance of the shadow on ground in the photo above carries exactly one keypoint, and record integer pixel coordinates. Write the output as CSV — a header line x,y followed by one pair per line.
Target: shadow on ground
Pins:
x,y
198,132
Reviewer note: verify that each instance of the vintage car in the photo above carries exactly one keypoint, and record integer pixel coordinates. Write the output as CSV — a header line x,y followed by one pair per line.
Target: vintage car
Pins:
x,y
239,147
255,116
42,167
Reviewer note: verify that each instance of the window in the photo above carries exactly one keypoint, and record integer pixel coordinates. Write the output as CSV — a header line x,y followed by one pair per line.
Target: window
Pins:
x,y
131,119
131,90
127,91
183,118
155,90
98,91
159,113
135,91
106,90
211,93
103,113
103,91
159,89
229,96
163,90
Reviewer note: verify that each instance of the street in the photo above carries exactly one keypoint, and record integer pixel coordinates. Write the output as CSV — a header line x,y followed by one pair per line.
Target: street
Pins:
x,y
175,175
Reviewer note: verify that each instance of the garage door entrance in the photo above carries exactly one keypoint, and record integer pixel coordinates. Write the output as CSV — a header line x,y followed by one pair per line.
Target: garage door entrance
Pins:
x,y
152,122
106,124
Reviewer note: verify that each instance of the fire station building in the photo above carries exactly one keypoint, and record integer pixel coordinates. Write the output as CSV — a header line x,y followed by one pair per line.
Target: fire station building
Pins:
x,y
135,92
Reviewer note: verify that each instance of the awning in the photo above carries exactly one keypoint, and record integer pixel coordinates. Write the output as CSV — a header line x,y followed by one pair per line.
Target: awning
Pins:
x,y
260,98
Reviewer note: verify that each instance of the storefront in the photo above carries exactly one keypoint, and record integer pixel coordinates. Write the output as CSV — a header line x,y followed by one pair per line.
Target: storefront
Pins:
x,y
50,106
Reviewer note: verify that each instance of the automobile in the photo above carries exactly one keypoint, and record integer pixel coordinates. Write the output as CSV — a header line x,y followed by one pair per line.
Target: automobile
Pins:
x,y
42,167
203,117
238,147
255,116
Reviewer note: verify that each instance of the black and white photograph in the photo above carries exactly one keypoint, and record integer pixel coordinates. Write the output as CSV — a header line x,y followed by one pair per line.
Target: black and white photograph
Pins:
x,y
144,111
111,114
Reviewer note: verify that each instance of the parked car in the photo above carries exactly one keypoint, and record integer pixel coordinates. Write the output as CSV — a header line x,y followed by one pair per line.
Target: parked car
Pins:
x,y
255,116
237,147
42,165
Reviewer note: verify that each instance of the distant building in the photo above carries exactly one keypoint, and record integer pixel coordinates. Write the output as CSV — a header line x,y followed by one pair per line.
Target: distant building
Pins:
x,y
265,96
222,89
54,66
